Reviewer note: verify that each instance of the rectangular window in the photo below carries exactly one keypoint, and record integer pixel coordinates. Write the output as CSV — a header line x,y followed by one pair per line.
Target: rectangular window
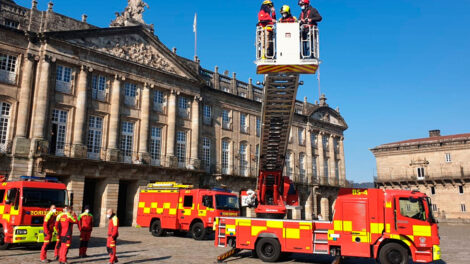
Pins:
x,y
226,120
2,196
463,208
8,68
130,92
243,123
243,159
289,167
302,167
325,142
4,126
243,94
207,115
433,190
63,79
98,87
301,133
127,140
337,169
188,201
448,158
225,156
313,140
325,168
206,153
159,101
181,148
11,23
420,172
412,208
258,126
434,207
314,167
59,127
95,132
461,189
183,106
156,145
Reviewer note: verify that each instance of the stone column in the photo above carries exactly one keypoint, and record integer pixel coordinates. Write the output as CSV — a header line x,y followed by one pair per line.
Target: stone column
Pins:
x,y
25,97
309,205
308,152
250,88
76,186
321,159
315,204
195,132
170,145
144,125
109,190
325,208
41,102
113,140
79,149
342,163
331,161
216,78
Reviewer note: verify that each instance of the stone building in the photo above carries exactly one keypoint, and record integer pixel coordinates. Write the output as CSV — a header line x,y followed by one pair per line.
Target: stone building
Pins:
x,y
438,166
106,110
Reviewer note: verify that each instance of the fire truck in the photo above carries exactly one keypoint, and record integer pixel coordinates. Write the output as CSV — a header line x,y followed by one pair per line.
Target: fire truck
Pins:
x,y
389,225
170,206
23,205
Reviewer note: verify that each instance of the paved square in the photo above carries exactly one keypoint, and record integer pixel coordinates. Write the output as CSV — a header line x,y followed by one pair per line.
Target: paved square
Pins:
x,y
136,245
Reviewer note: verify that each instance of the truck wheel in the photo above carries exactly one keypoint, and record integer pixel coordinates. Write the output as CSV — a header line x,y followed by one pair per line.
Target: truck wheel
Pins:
x,y
198,231
268,249
156,228
3,245
393,253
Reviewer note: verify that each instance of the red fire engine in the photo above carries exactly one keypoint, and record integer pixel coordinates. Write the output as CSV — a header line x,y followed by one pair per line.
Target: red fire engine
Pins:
x,y
169,206
23,205
388,225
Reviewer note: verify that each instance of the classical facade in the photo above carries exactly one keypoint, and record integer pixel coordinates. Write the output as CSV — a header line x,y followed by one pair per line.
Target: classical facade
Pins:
x,y
438,166
106,110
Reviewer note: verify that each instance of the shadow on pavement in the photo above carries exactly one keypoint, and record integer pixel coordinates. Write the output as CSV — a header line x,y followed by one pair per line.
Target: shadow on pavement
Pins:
x,y
88,260
147,260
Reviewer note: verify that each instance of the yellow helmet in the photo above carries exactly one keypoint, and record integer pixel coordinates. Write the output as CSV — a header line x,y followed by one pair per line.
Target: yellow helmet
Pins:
x,y
285,9
267,2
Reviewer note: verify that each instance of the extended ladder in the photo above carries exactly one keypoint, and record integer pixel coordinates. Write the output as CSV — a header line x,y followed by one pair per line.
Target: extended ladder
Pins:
x,y
280,91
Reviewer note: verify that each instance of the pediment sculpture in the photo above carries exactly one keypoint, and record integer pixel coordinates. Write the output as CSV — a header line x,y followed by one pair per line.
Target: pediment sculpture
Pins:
x,y
132,15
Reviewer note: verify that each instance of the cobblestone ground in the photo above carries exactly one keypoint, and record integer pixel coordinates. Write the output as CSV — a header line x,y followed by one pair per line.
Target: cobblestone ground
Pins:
x,y
138,246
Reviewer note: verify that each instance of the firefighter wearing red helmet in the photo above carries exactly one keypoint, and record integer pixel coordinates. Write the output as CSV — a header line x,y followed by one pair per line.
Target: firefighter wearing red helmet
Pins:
x,y
286,15
309,14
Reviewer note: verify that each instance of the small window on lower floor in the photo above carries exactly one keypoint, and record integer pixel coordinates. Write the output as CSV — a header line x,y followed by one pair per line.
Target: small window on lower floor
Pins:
x,y
461,189
433,190
434,207
463,208
188,201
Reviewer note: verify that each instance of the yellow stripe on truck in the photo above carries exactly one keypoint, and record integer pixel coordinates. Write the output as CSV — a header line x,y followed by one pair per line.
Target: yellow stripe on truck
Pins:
x,y
419,230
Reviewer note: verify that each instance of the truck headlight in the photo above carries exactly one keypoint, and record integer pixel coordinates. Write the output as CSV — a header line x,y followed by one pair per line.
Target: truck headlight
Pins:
x,y
21,232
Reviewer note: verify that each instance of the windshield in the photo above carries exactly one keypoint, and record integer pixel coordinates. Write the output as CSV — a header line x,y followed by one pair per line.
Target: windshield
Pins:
x,y
226,202
44,198
412,208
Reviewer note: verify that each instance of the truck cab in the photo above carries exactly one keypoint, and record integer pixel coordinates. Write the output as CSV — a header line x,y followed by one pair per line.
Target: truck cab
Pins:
x,y
174,207
23,205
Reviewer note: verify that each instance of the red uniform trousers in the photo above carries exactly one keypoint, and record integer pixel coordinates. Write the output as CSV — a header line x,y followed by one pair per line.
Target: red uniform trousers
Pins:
x,y
47,242
111,246
65,242
84,238
57,247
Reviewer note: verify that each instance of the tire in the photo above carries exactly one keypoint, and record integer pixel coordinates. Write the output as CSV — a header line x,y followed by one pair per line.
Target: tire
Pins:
x,y
198,231
268,249
393,253
156,228
3,245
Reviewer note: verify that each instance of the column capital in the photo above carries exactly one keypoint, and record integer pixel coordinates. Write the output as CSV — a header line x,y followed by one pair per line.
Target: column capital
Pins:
x,y
32,57
197,98
119,77
49,58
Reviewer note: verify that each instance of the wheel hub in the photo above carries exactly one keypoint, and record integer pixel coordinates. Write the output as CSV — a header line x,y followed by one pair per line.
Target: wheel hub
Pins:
x,y
395,257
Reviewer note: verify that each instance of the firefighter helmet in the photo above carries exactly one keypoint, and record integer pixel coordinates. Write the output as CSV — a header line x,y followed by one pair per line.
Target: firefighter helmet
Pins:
x,y
285,9
267,2
304,2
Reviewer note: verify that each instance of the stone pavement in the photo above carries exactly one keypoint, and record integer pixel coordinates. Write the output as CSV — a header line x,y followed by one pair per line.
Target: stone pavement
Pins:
x,y
138,246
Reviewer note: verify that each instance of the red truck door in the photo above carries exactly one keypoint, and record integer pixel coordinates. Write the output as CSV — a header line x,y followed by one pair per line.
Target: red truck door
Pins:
x,y
355,229
186,211
411,220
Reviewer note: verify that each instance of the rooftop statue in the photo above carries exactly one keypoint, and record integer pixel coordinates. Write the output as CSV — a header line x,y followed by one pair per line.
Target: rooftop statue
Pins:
x,y
132,15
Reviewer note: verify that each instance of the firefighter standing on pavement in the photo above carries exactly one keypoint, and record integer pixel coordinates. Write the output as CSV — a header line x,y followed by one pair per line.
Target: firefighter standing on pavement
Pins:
x,y
64,226
286,15
85,225
48,226
266,20
113,234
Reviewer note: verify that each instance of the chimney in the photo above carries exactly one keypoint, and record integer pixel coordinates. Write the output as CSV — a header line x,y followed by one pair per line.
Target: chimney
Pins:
x,y
49,6
174,50
84,18
435,133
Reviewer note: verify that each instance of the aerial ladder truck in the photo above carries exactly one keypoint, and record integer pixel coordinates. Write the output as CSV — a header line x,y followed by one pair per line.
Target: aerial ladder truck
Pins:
x,y
392,226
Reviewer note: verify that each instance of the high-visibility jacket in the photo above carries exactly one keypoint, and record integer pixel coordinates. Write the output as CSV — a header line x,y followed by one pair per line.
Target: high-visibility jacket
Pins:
x,y
85,222
48,224
266,15
113,226
310,16
64,224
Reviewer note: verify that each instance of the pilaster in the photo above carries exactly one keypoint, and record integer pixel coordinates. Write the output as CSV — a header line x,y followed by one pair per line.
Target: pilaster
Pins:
x,y
331,161
170,145
79,149
113,147
144,125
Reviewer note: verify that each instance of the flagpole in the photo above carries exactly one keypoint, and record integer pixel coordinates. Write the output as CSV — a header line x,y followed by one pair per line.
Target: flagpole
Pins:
x,y
195,35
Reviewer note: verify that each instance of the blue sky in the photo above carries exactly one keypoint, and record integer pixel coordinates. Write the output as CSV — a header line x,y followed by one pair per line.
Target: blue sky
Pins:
x,y
395,68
